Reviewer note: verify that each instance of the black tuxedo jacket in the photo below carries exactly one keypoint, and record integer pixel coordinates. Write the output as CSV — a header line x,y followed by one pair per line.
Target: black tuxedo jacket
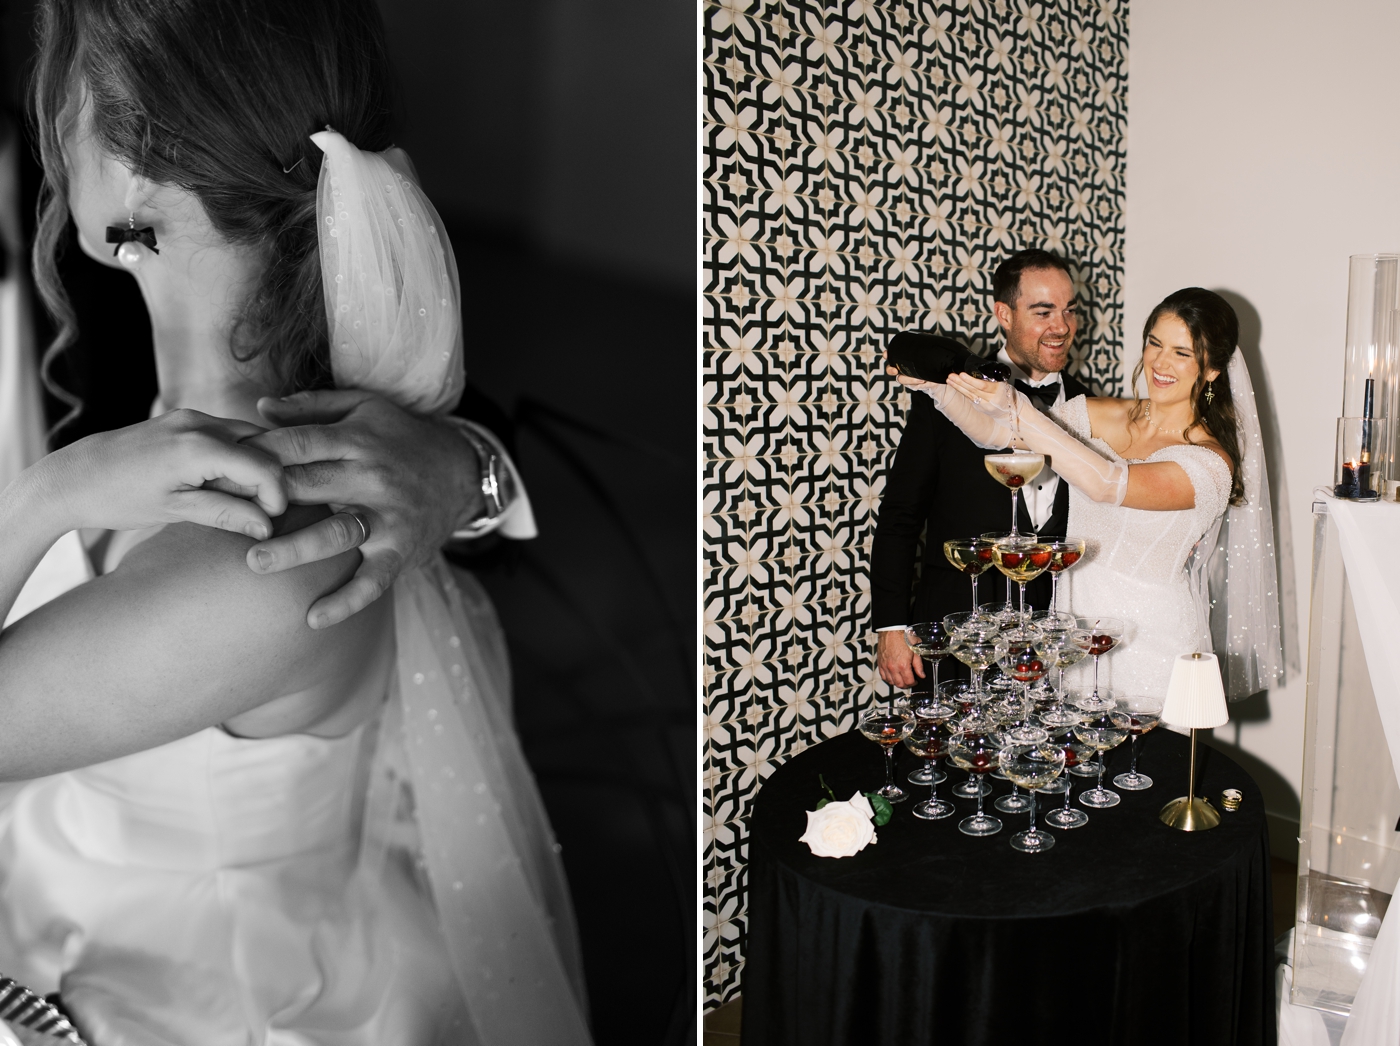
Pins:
x,y
939,487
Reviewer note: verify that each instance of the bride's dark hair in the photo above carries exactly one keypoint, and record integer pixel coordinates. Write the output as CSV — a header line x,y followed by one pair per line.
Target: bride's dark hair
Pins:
x,y
218,97
1215,331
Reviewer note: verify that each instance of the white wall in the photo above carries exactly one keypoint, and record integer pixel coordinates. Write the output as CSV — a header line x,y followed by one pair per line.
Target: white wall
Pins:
x,y
1263,149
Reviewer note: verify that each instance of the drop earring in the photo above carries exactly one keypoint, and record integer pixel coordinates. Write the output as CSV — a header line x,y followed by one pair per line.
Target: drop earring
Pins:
x,y
1210,393
127,252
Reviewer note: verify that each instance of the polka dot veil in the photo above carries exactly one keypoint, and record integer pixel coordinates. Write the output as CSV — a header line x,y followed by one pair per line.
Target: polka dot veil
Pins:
x,y
393,304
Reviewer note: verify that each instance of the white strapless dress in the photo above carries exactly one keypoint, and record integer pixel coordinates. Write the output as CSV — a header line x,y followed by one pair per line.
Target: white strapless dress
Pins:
x,y
1134,566
206,893
398,886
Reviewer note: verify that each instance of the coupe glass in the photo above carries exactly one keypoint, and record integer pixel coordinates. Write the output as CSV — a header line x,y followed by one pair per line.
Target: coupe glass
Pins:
x,y
929,741
976,648
1059,650
1013,470
1032,767
1064,553
1019,662
975,727
929,707
971,556
1097,637
887,727
1144,713
1106,730
1021,558
960,692
977,753
1066,817
931,640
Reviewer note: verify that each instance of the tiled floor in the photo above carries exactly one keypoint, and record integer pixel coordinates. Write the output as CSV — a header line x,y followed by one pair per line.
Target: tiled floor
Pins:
x,y
722,1024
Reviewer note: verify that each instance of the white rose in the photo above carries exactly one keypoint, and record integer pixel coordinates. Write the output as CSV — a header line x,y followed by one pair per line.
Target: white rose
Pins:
x,y
840,829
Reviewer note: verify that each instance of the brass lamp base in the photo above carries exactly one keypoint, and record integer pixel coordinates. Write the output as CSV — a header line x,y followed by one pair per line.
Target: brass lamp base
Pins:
x,y
1189,814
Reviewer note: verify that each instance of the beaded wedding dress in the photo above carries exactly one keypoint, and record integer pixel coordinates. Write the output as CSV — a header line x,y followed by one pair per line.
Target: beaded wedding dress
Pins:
x,y
1135,566
396,885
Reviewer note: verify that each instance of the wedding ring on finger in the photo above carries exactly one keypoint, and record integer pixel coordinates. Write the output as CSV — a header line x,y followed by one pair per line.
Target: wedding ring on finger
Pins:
x,y
359,518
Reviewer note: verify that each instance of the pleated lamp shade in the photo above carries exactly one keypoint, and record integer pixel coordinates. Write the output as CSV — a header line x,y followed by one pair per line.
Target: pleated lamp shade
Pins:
x,y
1195,695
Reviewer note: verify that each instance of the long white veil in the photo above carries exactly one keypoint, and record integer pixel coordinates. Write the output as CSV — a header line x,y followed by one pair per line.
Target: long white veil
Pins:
x,y
448,777
1233,572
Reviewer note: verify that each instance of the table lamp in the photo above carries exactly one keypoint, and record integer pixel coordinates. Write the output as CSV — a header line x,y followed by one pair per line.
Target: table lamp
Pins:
x,y
1196,699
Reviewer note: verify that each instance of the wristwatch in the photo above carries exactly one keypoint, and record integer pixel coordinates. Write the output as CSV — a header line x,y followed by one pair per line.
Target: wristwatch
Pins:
x,y
498,485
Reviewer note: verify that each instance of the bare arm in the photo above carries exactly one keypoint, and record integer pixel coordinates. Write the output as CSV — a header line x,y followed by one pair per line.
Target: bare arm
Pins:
x,y
181,636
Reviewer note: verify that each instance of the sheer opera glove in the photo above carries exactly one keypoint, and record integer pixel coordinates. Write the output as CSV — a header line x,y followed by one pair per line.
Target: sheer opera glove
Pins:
x,y
1102,480
986,431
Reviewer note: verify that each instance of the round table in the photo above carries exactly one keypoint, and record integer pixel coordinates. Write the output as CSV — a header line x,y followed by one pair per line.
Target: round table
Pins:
x,y
1126,932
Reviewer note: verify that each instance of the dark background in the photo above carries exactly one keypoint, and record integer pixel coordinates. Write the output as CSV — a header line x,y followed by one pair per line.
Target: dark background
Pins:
x,y
556,139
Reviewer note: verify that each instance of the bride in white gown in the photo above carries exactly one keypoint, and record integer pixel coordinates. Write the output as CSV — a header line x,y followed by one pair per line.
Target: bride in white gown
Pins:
x,y
1152,482
239,829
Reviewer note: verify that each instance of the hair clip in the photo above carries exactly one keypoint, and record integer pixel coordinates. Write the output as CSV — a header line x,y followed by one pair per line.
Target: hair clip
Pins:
x,y
293,167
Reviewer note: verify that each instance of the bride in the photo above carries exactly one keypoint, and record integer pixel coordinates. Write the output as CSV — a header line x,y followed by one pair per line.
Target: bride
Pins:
x,y
1151,483
239,829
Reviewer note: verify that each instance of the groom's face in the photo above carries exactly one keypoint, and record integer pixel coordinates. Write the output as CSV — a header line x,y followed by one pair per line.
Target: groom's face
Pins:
x,y
1041,325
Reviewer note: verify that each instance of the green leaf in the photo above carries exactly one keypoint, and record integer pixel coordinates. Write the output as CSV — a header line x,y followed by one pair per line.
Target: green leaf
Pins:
x,y
883,810
827,787
823,803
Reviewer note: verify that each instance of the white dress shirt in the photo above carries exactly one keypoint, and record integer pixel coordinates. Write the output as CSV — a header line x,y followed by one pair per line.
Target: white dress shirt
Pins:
x,y
1040,492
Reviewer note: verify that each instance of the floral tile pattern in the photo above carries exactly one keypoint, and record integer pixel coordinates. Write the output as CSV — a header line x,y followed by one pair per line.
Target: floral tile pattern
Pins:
x,y
867,166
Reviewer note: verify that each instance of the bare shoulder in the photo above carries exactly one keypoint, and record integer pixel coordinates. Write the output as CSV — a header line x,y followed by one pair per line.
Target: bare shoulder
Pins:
x,y
1107,414
1210,443
216,561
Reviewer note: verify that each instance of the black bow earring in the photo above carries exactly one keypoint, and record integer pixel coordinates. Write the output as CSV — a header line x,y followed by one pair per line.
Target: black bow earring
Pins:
x,y
126,240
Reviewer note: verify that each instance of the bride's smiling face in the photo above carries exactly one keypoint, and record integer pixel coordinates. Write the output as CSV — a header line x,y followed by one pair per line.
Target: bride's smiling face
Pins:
x,y
1169,362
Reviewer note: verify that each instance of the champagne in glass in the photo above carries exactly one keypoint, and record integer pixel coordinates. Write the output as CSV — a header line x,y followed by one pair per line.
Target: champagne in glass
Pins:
x,y
978,754
970,556
1104,731
1144,713
1096,638
1032,767
1064,553
1014,470
976,648
1021,559
930,708
978,726
929,741
1066,817
887,728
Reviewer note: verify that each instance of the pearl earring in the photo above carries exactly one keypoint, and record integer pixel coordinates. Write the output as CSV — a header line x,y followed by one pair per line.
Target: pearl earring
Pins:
x,y
127,252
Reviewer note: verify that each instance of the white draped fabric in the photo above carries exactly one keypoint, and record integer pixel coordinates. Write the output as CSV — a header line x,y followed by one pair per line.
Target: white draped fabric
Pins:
x,y
1375,592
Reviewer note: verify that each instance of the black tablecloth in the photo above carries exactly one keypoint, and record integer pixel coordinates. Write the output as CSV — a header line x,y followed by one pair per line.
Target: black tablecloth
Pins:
x,y
1127,932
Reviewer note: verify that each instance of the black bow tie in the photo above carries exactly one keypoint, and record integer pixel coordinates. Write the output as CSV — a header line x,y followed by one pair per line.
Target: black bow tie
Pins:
x,y
1043,397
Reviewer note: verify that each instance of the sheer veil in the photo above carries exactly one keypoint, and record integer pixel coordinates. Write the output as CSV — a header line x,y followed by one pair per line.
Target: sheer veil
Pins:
x,y
448,781
1233,572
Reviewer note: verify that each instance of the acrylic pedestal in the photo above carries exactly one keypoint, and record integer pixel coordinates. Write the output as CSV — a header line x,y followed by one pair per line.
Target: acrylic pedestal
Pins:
x,y
1349,847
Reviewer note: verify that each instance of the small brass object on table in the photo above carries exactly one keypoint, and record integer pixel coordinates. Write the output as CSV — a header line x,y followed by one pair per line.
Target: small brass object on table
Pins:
x,y
1230,799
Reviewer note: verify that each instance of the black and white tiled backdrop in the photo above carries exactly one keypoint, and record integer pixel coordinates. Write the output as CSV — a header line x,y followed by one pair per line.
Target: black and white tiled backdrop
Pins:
x,y
867,165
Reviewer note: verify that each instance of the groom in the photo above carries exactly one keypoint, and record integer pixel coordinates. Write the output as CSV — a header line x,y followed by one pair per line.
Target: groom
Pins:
x,y
939,486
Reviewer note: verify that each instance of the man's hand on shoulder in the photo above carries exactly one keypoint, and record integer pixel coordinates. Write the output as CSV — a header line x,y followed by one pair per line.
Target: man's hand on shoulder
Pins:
x,y
409,479
899,666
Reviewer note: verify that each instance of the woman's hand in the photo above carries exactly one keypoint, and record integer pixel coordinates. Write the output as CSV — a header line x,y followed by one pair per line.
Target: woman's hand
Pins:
x,y
181,466
992,398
